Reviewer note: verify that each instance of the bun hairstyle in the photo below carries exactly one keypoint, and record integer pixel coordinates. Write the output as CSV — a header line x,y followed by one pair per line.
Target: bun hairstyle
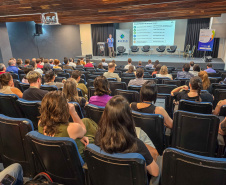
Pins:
x,y
5,79
205,80
139,73
196,84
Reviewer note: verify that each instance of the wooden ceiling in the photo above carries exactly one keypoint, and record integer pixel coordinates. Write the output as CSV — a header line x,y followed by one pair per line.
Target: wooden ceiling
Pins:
x,y
109,11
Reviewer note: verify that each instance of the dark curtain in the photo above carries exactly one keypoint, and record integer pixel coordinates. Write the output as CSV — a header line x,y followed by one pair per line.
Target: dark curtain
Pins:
x,y
192,37
100,33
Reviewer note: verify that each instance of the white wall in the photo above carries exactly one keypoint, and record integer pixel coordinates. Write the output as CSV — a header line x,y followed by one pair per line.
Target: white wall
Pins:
x,y
179,39
86,39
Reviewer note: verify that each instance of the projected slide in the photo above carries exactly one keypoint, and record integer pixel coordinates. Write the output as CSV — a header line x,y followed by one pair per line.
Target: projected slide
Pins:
x,y
154,33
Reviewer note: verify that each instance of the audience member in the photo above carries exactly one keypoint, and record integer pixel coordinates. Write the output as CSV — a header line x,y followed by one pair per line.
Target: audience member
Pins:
x,y
194,94
51,62
34,65
129,64
164,73
218,107
7,85
157,69
2,68
12,67
222,125
71,93
34,60
209,68
34,93
117,122
139,65
113,61
83,61
110,73
88,63
196,70
79,64
131,70
149,65
27,62
56,64
66,64
71,63
38,62
102,92
46,67
104,63
185,72
139,81
100,66
54,121
191,65
155,64
77,76
42,61
206,85
49,79
19,63
148,96
26,71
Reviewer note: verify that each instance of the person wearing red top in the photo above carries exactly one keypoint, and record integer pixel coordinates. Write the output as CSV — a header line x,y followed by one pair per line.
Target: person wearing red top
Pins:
x,y
88,63
2,68
38,62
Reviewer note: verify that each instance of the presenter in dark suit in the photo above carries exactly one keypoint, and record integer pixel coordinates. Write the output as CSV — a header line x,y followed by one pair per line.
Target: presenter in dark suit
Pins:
x,y
110,42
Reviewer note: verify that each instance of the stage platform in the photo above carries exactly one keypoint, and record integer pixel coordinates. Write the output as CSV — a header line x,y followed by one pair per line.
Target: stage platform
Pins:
x,y
165,59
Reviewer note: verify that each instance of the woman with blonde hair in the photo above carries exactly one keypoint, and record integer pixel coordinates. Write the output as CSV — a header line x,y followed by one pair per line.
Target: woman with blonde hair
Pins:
x,y
164,73
56,64
205,81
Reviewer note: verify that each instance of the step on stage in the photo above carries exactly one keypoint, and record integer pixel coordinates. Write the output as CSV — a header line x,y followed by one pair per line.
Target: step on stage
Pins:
x,y
165,59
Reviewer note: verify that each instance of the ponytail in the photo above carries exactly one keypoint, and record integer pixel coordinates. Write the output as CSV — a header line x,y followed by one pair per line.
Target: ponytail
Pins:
x,y
196,84
199,91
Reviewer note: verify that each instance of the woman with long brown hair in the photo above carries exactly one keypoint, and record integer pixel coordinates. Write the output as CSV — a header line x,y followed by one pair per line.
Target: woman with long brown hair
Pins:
x,y
206,85
116,133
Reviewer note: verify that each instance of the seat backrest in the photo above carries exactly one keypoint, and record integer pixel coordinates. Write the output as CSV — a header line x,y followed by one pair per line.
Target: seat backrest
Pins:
x,y
195,132
183,80
13,147
90,69
134,88
128,75
215,79
214,74
223,111
165,88
30,110
180,168
131,96
91,76
14,75
91,92
120,48
90,82
160,79
117,85
131,165
78,110
168,102
153,126
197,107
62,74
146,47
172,82
59,79
162,47
21,76
219,94
133,48
24,86
57,156
173,48
94,112
127,79
9,107
49,87
217,86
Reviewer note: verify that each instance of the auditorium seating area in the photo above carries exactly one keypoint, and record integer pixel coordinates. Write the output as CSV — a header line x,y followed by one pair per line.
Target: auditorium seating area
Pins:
x,y
193,152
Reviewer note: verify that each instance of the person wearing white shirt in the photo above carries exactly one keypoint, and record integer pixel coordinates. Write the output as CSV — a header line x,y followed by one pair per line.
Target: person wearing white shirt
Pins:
x,y
129,64
71,62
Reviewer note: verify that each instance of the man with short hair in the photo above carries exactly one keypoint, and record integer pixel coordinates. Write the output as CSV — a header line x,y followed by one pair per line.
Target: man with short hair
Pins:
x,y
110,42
103,62
66,64
71,63
34,93
150,65
185,72
46,61
34,65
129,64
27,62
51,62
192,65
139,81
12,66
77,76
19,63
110,73
2,68
38,62
209,68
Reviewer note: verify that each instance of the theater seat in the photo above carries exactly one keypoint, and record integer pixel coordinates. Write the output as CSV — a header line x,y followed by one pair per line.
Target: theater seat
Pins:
x,y
49,87
13,148
91,91
78,110
172,82
94,112
127,79
131,96
8,106
24,86
153,126
115,169
219,94
62,74
31,110
195,133
165,88
223,111
134,88
197,107
117,85
57,156
183,168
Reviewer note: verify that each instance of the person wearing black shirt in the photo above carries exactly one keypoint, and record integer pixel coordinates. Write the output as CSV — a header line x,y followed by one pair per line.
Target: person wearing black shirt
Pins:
x,y
34,93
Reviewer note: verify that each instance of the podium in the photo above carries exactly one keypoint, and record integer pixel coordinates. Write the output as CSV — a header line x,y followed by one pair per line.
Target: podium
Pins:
x,y
101,48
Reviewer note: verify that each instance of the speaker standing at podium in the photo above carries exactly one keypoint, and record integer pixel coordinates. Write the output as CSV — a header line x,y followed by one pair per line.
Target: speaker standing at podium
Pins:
x,y
110,42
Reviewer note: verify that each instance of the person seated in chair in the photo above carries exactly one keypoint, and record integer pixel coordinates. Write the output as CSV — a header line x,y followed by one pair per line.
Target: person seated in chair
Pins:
x,y
139,65
196,70
149,65
206,84
66,64
209,68
163,73
54,121
88,63
27,62
116,133
185,72
100,66
49,79
34,93
39,63
131,70
194,94
7,85
19,63
71,63
2,68
192,65
129,64
104,63
157,69
12,67
102,92
56,64
148,96
26,71
110,73
139,81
